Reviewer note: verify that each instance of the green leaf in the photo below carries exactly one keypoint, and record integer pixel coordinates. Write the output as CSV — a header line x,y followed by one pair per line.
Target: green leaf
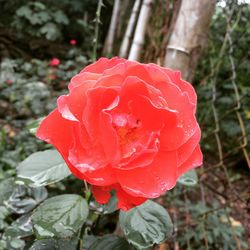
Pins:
x,y
43,17
24,199
189,178
106,242
6,189
146,225
11,158
60,216
60,17
20,228
42,168
3,212
38,5
3,244
51,31
24,11
15,243
54,244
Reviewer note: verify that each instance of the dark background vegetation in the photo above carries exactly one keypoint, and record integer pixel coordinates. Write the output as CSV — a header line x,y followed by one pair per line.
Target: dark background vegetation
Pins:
x,y
212,215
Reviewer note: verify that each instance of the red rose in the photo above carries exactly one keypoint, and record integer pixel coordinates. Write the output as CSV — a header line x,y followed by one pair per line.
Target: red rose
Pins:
x,y
128,127
9,81
54,62
73,42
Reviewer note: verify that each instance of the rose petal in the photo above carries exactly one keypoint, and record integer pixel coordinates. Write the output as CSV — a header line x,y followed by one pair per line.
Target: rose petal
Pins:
x,y
48,133
178,98
108,137
138,95
101,194
125,201
149,146
195,160
71,106
173,138
81,78
102,176
185,86
154,180
99,123
60,132
133,87
187,149
149,73
103,64
151,117
98,99
139,70
110,80
66,138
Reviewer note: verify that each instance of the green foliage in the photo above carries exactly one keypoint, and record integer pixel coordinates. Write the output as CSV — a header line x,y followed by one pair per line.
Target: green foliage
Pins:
x,y
29,89
222,73
54,244
146,225
60,216
39,20
6,189
24,199
35,23
106,242
42,168
22,227
214,226
189,178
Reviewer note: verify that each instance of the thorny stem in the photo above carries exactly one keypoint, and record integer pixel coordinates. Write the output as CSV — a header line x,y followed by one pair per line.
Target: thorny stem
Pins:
x,y
97,22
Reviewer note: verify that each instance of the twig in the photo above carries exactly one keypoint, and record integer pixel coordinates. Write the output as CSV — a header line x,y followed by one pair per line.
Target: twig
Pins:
x,y
97,23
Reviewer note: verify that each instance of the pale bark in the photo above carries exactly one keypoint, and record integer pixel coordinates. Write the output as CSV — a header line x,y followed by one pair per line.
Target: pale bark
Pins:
x,y
109,42
189,36
139,35
130,28
125,6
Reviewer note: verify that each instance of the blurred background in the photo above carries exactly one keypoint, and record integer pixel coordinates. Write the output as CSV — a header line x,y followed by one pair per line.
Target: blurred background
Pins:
x,y
44,43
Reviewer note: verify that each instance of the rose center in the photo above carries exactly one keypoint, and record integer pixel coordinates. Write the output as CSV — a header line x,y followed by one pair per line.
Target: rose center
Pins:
x,y
126,135
126,126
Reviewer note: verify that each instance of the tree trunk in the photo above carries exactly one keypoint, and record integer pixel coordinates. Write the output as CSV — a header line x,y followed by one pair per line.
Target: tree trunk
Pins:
x,y
189,36
108,47
138,40
125,7
130,28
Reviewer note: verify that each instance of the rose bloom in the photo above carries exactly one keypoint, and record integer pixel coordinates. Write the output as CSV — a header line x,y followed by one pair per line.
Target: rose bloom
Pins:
x,y
128,127
73,42
9,81
54,62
